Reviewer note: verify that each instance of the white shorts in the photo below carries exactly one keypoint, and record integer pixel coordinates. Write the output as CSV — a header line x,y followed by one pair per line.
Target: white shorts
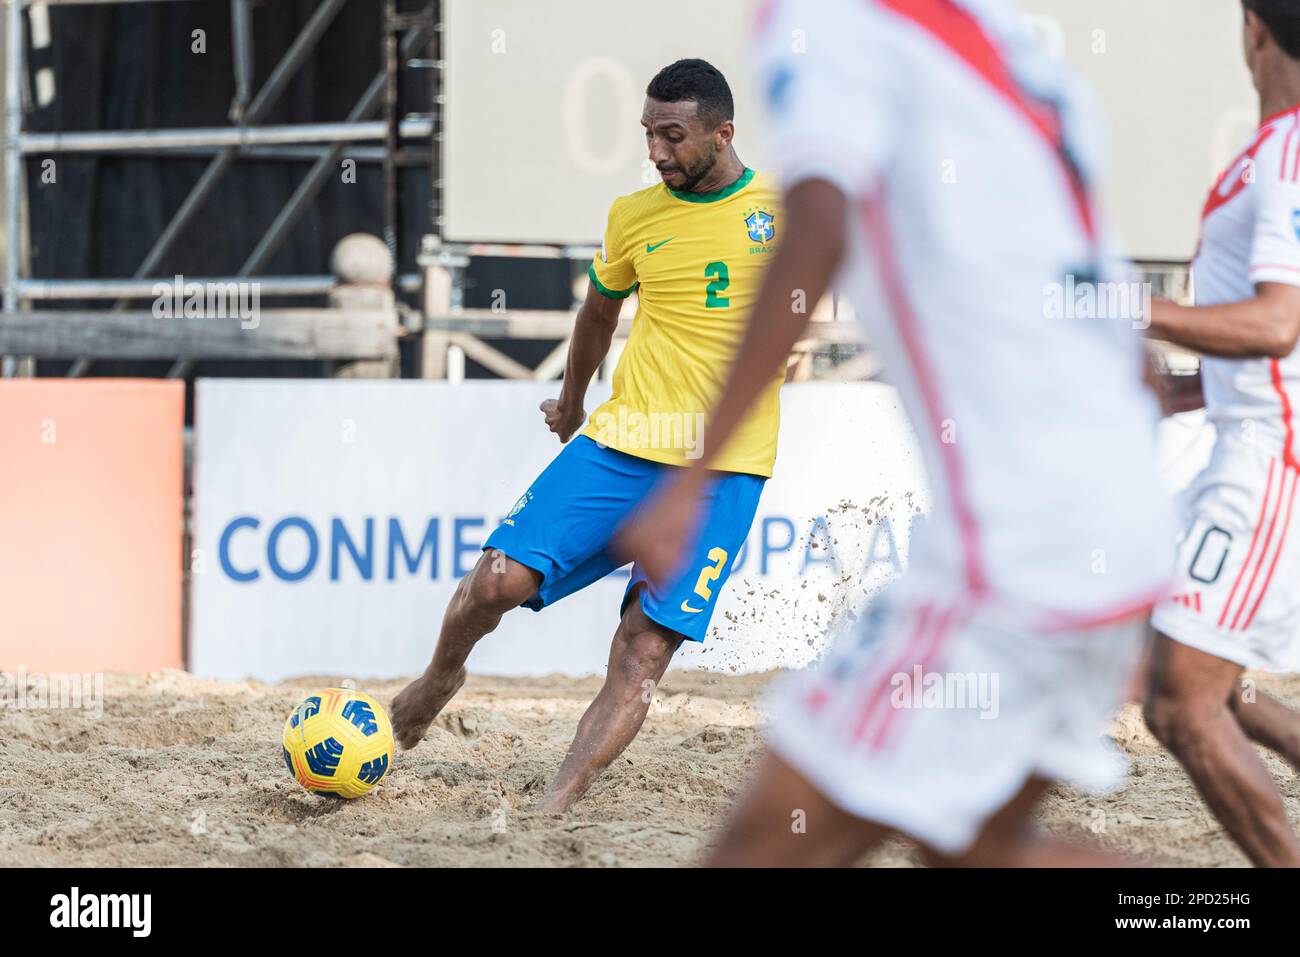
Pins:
x,y
1238,590
930,719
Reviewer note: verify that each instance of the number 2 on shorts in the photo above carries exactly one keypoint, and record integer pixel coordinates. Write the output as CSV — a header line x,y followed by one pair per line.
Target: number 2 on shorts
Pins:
x,y
710,573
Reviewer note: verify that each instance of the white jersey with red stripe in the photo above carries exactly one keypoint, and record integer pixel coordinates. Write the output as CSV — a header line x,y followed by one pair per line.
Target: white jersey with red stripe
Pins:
x,y
1251,234
968,154
1239,553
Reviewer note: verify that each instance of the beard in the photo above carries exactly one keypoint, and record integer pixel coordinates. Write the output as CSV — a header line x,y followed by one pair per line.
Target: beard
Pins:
x,y
693,175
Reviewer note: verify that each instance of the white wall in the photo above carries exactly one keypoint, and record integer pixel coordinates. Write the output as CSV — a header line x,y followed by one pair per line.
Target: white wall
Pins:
x,y
544,106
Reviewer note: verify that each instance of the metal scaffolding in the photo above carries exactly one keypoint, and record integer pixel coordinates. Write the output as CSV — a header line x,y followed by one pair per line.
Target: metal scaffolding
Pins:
x,y
322,143
448,333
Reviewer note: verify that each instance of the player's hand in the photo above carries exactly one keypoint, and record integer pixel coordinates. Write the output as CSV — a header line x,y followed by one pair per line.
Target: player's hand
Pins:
x,y
561,420
660,532
1176,393
1181,393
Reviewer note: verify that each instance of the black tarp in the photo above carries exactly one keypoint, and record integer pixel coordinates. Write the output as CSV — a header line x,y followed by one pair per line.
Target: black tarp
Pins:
x,y
133,66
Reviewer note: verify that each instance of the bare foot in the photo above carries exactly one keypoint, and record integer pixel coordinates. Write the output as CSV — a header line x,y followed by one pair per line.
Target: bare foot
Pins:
x,y
419,703
552,805
554,802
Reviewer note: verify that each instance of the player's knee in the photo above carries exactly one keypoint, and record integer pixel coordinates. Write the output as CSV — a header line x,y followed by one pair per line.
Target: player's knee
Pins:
x,y
1161,707
497,584
1170,718
1160,713
641,659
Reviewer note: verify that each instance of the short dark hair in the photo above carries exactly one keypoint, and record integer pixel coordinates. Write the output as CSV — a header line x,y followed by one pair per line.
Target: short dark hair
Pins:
x,y
696,80
1282,17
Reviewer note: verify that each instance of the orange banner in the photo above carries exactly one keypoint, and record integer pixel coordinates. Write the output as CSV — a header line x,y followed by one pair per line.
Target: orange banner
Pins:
x,y
91,476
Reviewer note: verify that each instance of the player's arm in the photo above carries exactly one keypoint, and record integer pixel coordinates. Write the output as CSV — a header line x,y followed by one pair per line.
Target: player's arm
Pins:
x,y
1267,326
816,213
613,279
593,331
800,272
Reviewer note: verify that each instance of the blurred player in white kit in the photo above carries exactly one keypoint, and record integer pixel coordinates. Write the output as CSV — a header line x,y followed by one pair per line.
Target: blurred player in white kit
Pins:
x,y
938,167
1237,603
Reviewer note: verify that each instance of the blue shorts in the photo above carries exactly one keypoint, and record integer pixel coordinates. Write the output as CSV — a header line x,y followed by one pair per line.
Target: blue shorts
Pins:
x,y
561,527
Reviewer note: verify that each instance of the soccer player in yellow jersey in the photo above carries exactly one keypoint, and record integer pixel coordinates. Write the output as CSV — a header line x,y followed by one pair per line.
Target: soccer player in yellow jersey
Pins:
x,y
692,248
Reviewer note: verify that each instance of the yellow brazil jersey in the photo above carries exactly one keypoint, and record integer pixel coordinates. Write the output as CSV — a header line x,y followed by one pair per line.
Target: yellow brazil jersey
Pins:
x,y
695,261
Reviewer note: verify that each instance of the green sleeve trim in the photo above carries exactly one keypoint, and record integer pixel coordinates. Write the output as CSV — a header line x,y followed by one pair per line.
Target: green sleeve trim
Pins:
x,y
605,290
717,194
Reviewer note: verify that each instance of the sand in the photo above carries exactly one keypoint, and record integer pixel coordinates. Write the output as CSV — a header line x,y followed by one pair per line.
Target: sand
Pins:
x,y
181,770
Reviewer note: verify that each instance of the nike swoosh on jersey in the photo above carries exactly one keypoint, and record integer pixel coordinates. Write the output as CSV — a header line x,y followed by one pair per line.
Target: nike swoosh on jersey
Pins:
x,y
686,607
650,249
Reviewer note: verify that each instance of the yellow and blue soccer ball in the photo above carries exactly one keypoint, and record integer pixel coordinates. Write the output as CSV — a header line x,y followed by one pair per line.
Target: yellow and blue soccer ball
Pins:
x,y
339,742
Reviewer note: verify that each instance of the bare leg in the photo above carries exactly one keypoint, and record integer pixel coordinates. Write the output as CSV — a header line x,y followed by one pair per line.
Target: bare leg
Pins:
x,y
1009,839
637,661
496,585
1270,723
1187,709
782,820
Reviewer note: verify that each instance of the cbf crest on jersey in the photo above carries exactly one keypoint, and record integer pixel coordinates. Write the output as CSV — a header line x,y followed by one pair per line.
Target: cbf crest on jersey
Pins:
x,y
1295,223
760,226
519,507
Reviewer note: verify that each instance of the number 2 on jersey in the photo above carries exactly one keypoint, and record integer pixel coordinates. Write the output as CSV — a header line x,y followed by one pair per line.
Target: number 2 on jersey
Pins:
x,y
721,280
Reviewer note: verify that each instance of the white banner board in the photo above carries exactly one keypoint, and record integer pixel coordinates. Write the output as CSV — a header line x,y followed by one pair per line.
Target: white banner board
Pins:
x,y
333,519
